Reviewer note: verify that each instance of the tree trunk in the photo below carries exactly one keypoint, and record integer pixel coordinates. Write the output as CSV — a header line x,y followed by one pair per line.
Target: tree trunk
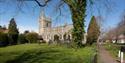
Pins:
x,y
78,16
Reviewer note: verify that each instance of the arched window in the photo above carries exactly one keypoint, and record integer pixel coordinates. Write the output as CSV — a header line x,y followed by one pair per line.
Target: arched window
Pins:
x,y
56,37
64,36
68,37
47,24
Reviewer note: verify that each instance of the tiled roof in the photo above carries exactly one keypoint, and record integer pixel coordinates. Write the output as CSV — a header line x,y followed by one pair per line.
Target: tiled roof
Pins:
x,y
4,30
121,36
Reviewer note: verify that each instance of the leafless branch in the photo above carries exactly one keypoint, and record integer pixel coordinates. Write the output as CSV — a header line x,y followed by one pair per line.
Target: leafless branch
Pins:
x,y
42,5
38,2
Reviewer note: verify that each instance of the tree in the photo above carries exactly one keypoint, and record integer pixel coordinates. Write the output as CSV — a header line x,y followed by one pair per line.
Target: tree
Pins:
x,y
93,31
121,25
26,31
78,9
13,32
32,37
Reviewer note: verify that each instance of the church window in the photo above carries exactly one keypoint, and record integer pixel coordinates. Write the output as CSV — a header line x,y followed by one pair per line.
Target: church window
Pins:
x,y
47,25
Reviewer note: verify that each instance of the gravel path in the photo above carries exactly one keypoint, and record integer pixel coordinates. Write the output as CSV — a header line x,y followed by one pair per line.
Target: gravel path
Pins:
x,y
104,56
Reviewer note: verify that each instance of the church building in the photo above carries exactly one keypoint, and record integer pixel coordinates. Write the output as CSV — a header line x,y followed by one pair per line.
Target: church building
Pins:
x,y
48,32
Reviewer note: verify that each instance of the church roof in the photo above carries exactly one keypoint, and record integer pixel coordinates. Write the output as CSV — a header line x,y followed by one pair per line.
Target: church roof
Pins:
x,y
4,30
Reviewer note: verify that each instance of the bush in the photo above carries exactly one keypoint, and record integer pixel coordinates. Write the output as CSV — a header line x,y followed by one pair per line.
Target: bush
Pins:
x,y
13,38
32,37
22,39
3,39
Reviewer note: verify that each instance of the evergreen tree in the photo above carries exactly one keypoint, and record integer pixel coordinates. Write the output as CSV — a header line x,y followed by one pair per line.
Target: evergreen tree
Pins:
x,y
13,32
93,31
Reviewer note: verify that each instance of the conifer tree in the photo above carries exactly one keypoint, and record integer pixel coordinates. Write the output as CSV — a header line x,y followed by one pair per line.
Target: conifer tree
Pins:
x,y
13,32
93,31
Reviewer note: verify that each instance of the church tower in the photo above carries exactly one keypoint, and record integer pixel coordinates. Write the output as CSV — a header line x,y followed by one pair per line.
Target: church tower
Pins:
x,y
44,23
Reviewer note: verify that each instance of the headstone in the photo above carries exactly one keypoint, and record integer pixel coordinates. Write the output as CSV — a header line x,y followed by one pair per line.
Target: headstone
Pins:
x,y
119,53
122,57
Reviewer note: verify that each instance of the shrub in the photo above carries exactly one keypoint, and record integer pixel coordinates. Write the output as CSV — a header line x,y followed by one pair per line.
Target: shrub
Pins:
x,y
3,39
22,39
32,37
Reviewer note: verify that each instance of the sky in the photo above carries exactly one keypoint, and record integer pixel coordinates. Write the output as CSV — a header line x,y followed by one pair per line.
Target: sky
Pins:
x,y
27,18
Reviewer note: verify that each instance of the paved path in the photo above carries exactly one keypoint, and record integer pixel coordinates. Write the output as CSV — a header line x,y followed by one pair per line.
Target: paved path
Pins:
x,y
104,56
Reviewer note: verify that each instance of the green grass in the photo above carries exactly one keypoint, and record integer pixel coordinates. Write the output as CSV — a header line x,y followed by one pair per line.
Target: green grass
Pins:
x,y
113,49
34,53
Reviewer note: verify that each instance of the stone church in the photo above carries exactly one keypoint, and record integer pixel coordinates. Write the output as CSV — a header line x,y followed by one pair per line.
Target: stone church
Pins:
x,y
48,32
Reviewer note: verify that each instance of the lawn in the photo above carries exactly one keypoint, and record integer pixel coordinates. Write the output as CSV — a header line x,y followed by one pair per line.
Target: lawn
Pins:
x,y
35,53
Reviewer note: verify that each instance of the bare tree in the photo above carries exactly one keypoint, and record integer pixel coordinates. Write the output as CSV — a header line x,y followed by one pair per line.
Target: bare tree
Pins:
x,y
121,25
118,30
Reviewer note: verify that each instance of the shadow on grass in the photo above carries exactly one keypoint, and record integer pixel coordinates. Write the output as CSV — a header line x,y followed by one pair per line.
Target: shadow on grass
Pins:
x,y
44,56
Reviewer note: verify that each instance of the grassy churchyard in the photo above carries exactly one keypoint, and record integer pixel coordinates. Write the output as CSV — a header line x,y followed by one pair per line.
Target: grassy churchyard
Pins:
x,y
35,53
113,49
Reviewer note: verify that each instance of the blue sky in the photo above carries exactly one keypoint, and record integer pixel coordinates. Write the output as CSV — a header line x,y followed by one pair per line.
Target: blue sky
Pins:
x,y
27,19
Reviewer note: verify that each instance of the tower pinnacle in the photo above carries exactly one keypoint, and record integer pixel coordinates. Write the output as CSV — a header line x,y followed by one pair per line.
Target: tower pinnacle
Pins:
x,y
42,13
